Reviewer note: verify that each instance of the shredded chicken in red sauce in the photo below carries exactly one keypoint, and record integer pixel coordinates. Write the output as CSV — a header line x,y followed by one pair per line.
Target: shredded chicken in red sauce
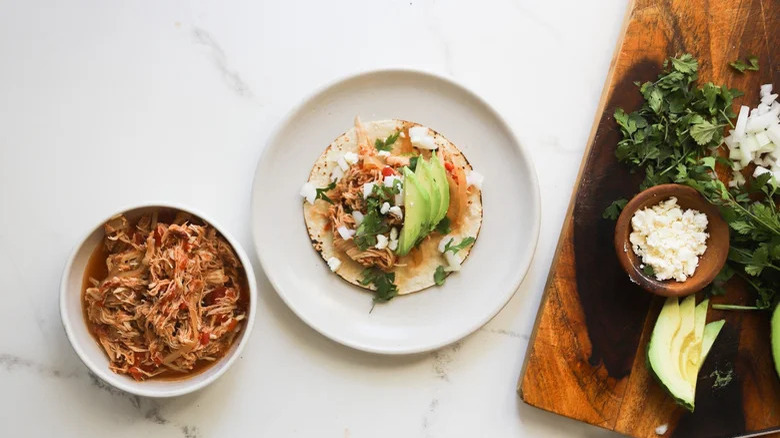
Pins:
x,y
172,299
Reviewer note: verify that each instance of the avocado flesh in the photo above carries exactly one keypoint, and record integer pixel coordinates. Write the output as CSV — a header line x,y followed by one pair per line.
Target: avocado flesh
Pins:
x,y
443,185
425,177
678,345
416,206
775,336
691,357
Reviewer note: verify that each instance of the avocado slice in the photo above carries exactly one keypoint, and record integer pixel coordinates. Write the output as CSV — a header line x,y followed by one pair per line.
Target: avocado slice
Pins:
x,y
416,206
425,177
691,357
775,336
678,345
711,332
443,186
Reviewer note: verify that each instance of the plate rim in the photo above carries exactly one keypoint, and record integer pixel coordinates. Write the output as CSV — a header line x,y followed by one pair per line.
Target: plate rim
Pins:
x,y
449,80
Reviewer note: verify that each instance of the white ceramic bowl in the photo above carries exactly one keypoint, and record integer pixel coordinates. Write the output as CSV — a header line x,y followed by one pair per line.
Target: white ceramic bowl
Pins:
x,y
93,355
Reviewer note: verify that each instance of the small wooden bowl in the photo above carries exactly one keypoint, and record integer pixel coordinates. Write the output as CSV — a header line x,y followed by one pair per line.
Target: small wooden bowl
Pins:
x,y
710,263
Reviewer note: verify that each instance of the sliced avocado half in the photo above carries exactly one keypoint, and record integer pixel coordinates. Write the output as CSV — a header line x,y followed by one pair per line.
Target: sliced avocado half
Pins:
x,y
416,206
678,345
425,177
443,185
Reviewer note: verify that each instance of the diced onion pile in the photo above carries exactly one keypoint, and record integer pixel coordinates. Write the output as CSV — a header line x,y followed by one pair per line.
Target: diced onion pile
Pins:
x,y
756,138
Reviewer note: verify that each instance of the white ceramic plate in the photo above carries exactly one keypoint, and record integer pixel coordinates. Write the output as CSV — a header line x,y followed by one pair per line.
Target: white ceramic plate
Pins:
x,y
424,320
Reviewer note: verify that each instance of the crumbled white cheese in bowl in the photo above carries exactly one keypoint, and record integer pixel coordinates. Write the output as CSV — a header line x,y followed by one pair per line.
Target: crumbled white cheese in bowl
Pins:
x,y
668,239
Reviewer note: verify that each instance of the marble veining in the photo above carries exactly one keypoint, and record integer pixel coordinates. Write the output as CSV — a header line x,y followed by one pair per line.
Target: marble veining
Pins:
x,y
443,358
232,79
12,363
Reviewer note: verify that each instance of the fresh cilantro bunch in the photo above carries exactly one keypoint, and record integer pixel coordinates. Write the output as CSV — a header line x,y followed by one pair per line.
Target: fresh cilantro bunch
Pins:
x,y
677,126
674,137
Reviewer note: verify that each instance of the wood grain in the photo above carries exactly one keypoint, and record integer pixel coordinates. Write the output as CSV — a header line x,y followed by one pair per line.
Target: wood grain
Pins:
x,y
586,359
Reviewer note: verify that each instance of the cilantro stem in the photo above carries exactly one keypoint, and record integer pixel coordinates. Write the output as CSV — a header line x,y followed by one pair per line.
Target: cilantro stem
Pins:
x,y
727,119
733,307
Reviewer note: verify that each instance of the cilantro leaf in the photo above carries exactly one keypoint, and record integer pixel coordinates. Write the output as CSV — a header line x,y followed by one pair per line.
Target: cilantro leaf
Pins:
x,y
703,131
439,276
443,227
741,66
753,60
413,162
386,144
685,63
614,209
455,248
321,192
738,66
648,270
383,282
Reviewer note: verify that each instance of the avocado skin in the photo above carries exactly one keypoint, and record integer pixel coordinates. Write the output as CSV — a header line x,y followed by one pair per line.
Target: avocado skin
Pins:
x,y
774,335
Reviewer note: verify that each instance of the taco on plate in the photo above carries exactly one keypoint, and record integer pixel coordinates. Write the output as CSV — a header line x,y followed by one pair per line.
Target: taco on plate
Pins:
x,y
393,207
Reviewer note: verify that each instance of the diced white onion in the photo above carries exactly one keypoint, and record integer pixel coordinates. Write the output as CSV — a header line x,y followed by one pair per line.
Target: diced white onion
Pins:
x,y
475,179
351,158
742,119
342,164
761,122
453,264
765,89
396,211
389,180
358,217
393,245
381,241
773,132
421,139
760,171
334,263
309,192
345,232
383,154
336,174
768,99
368,188
394,233
384,208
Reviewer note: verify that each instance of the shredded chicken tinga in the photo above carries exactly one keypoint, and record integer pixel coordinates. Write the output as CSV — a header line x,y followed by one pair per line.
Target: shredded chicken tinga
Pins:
x,y
172,300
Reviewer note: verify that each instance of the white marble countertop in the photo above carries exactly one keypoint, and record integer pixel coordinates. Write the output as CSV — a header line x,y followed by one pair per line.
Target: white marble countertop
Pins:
x,y
98,97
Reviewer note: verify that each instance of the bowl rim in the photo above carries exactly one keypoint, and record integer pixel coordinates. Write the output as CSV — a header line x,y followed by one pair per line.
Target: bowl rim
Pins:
x,y
119,381
662,287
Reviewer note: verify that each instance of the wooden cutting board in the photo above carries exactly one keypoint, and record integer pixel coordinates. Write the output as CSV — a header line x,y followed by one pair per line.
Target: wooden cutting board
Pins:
x,y
586,359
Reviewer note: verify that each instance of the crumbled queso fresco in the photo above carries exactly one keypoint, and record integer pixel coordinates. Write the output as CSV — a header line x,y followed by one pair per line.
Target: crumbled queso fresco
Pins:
x,y
669,239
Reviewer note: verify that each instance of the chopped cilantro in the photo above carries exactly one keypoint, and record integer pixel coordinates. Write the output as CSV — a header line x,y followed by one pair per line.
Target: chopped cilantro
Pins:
x,y
649,271
439,276
321,192
386,144
614,209
443,227
413,162
455,248
384,287
741,66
